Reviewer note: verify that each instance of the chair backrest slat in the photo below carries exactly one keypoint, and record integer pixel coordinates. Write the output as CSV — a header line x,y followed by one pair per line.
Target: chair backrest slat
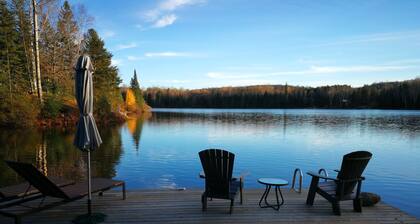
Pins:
x,y
218,167
352,167
37,179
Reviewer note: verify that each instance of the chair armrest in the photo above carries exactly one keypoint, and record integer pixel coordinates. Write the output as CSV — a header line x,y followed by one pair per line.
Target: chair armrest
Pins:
x,y
314,174
352,180
203,176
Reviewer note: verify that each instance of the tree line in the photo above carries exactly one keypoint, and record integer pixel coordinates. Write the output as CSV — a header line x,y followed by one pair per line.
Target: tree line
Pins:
x,y
64,33
385,95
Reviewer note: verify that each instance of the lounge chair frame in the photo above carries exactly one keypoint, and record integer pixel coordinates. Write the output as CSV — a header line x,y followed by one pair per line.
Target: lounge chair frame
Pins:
x,y
46,189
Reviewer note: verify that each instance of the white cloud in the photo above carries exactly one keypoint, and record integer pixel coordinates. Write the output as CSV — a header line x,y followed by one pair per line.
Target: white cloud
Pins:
x,y
167,81
108,33
354,69
163,14
116,62
165,21
126,46
167,54
311,71
249,67
376,37
134,58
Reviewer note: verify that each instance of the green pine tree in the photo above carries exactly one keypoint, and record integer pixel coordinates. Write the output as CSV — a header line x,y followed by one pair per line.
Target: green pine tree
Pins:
x,y
135,87
105,79
67,33
16,107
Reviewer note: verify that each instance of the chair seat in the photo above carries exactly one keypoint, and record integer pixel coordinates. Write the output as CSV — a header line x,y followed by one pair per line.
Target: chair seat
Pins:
x,y
234,188
98,184
330,187
21,190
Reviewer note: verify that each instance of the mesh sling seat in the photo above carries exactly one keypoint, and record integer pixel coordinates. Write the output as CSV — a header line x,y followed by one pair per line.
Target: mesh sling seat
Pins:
x,y
218,167
47,188
346,186
25,189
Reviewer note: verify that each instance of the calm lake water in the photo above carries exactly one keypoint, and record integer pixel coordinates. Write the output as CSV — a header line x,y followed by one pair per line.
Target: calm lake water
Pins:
x,y
160,151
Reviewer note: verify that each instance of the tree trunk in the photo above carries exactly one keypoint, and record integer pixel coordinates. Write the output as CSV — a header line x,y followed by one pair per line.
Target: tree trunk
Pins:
x,y
36,53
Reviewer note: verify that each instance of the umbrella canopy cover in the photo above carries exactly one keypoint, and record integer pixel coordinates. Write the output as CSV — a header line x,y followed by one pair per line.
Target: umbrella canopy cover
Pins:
x,y
87,136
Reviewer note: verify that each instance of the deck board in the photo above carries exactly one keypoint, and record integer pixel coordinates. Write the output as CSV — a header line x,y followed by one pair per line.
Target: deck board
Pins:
x,y
167,206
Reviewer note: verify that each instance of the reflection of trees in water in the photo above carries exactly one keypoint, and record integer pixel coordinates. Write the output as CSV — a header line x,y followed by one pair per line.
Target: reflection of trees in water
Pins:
x,y
41,156
53,153
108,155
405,124
135,127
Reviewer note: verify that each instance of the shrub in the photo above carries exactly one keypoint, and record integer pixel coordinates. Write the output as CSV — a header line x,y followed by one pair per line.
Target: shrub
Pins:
x,y
18,111
103,107
52,107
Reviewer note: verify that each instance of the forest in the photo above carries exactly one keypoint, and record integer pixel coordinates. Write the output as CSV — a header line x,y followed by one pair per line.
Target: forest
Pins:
x,y
384,95
37,68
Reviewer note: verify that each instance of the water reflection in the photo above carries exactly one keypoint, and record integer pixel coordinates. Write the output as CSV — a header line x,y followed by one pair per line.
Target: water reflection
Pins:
x,y
384,120
160,149
53,153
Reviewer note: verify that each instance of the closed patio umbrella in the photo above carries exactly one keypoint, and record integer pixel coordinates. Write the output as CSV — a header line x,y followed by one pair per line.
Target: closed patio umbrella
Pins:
x,y
87,136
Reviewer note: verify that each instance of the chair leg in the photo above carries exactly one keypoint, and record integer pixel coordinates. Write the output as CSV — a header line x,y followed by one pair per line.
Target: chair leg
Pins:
x,y
240,191
336,208
231,206
357,205
204,202
312,191
123,191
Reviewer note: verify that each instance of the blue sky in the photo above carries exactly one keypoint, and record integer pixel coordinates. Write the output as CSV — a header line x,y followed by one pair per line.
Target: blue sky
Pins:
x,y
213,43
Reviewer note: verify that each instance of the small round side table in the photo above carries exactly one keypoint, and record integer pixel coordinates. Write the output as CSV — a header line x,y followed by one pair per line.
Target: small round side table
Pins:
x,y
276,183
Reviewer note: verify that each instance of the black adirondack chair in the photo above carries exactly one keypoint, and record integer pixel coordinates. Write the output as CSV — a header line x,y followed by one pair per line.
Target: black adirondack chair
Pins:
x,y
218,167
343,186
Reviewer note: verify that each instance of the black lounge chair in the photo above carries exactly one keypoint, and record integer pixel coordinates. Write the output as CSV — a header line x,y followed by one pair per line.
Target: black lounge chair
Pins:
x,y
48,188
343,186
25,189
218,167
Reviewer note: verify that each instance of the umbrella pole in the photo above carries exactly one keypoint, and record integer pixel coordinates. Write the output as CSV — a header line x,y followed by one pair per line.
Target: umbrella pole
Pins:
x,y
89,186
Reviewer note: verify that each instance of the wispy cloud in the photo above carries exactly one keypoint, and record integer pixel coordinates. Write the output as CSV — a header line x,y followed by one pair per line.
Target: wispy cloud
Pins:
x,y
116,62
311,71
167,54
134,58
163,14
167,81
249,67
377,37
165,21
108,34
126,46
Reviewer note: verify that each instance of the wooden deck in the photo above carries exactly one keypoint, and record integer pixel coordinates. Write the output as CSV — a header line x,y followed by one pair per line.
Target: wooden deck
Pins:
x,y
166,206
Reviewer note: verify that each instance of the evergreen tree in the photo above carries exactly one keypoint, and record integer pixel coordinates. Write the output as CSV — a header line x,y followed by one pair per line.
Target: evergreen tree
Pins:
x,y
135,87
21,11
67,32
134,82
50,58
10,51
105,79
15,107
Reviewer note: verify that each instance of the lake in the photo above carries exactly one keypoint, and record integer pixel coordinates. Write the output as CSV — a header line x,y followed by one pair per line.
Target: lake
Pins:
x,y
161,150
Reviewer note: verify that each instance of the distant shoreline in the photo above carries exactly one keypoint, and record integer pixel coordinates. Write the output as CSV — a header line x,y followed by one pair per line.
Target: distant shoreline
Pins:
x,y
306,108
384,95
